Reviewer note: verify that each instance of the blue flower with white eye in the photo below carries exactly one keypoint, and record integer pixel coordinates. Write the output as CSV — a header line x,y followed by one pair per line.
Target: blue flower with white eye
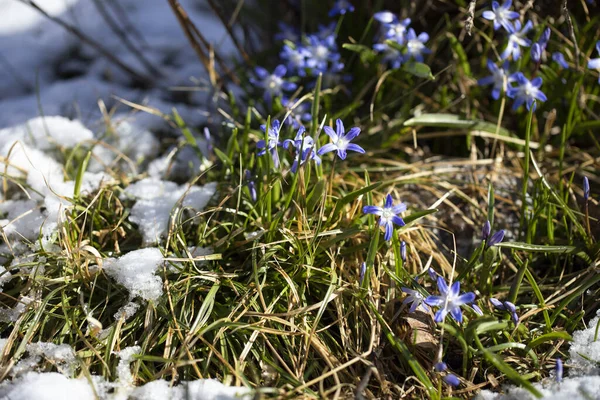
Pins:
x,y
501,14
273,84
305,149
526,91
340,140
295,59
450,301
397,30
287,32
559,58
415,299
516,39
321,52
499,78
341,7
272,141
391,56
415,45
388,215
595,62
539,47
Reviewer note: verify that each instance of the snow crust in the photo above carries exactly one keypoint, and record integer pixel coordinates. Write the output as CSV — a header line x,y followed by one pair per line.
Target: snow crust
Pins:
x,y
157,199
136,272
71,76
28,384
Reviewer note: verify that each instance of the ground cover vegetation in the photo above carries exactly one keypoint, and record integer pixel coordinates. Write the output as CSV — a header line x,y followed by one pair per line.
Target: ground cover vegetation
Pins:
x,y
399,201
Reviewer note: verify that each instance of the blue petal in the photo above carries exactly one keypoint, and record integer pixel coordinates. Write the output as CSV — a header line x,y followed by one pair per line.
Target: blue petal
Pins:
x,y
399,208
442,286
389,231
465,298
280,71
352,133
356,148
327,148
435,301
372,210
339,127
389,202
456,314
398,221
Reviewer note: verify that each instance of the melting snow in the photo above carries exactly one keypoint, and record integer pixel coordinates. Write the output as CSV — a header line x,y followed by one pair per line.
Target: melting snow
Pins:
x,y
135,271
585,359
156,200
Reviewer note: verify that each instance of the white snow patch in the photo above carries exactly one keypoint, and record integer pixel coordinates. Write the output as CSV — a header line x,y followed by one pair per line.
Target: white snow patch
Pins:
x,y
46,386
156,201
585,350
40,59
135,271
583,382
127,311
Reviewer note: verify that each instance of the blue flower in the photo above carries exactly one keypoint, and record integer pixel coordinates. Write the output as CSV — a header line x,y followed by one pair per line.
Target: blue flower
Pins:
x,y
449,378
299,114
341,7
486,230
526,91
397,30
506,306
559,370
559,58
388,215
516,39
273,84
499,78
340,140
496,238
595,62
305,149
450,301
415,45
477,310
501,15
324,31
272,142
287,32
385,17
295,59
415,299
539,47
251,186
586,188
403,250
391,56
320,52
362,271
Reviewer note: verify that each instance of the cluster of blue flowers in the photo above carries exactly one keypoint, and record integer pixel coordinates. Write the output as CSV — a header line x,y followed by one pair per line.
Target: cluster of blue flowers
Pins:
x,y
304,147
398,43
303,56
524,91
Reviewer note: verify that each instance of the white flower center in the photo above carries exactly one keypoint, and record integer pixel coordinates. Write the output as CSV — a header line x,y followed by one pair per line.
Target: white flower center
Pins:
x,y
387,214
273,84
321,52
